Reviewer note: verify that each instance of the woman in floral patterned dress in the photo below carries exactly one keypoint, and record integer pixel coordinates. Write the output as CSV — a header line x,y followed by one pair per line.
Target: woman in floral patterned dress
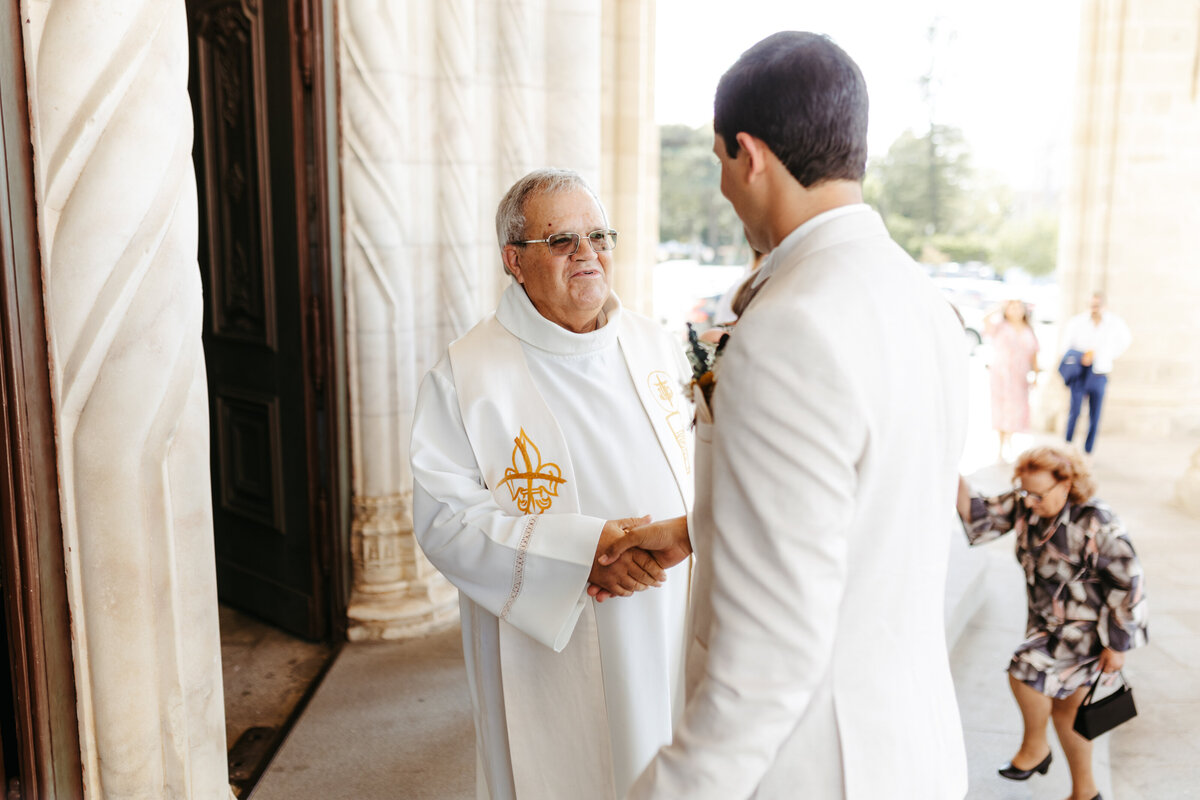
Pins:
x,y
1086,599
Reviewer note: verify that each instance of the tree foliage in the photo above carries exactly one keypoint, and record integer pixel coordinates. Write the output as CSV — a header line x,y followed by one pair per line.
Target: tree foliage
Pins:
x,y
940,208
935,203
923,179
1030,243
692,210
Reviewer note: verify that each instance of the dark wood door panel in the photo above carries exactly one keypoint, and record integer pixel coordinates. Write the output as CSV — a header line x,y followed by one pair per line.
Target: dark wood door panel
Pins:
x,y
254,249
228,46
249,452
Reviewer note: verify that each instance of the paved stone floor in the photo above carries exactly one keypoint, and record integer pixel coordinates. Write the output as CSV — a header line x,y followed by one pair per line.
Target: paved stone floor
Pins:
x,y
1157,755
393,720
266,674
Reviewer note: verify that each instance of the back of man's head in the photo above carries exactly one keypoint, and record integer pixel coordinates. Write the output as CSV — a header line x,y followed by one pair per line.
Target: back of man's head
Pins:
x,y
805,99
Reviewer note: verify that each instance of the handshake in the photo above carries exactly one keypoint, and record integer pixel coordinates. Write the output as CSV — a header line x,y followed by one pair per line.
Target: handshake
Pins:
x,y
634,554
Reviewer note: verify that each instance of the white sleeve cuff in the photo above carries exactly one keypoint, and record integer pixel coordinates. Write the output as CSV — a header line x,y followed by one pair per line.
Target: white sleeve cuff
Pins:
x,y
553,560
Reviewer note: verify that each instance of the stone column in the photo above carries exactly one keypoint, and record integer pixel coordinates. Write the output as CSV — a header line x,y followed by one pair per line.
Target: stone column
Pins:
x,y
385,127
112,139
1131,224
444,105
571,85
1187,491
630,145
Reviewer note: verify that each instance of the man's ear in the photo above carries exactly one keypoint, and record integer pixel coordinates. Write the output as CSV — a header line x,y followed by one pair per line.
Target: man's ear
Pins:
x,y
512,261
757,154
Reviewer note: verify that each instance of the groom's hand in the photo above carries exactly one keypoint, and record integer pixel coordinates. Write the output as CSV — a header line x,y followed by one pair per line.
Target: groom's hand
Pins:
x,y
667,540
634,571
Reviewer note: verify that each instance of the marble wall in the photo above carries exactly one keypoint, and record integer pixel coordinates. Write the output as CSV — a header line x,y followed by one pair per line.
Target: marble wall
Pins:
x,y
116,197
444,104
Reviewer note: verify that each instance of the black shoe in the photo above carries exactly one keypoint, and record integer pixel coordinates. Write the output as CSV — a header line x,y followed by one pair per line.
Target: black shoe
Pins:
x,y
1014,774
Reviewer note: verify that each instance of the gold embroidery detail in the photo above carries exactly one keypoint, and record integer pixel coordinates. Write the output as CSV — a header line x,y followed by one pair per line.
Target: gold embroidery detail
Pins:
x,y
664,394
524,476
660,386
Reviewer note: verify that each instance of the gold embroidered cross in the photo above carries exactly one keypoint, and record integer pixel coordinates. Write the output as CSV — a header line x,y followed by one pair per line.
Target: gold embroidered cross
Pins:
x,y
525,478
663,393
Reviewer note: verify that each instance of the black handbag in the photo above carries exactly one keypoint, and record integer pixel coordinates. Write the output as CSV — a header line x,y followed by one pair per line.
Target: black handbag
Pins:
x,y
1093,719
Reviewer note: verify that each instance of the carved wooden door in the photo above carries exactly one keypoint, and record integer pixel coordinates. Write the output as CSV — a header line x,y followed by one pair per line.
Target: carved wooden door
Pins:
x,y
247,87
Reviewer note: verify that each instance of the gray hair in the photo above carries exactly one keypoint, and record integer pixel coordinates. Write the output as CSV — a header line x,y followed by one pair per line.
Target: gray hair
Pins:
x,y
510,215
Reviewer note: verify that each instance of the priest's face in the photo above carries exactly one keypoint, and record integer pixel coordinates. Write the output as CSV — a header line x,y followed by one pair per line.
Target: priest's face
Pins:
x,y
568,290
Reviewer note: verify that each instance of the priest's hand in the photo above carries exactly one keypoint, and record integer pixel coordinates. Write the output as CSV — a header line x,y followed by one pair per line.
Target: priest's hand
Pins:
x,y
633,572
667,540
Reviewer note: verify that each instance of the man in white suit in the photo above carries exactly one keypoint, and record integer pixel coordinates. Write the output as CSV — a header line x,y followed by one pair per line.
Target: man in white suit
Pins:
x,y
825,474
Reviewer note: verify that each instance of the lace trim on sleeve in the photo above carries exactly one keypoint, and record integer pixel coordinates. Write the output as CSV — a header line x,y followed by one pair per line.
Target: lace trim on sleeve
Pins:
x,y
519,567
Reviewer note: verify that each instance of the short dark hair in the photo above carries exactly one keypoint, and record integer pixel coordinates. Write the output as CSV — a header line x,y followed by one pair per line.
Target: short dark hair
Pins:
x,y
805,99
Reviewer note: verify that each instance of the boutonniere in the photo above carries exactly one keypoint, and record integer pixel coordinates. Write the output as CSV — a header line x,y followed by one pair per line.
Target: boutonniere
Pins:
x,y
703,358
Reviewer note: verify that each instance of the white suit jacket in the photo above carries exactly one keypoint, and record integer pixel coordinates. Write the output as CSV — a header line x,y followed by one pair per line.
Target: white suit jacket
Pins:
x,y
818,667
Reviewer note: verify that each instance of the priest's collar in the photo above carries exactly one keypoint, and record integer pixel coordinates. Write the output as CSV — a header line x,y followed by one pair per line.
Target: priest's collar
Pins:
x,y
519,317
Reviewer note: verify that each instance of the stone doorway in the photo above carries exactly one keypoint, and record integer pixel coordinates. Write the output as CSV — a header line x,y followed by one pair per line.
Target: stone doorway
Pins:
x,y
261,155
39,737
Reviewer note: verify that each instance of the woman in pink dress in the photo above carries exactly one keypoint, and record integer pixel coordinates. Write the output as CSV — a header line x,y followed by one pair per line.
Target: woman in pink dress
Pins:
x,y
1014,357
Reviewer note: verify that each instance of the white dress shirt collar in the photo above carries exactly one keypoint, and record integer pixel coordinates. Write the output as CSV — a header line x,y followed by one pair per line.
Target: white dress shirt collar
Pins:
x,y
790,242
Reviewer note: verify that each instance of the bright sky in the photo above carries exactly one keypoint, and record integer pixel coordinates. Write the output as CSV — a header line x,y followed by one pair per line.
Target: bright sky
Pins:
x,y
1007,69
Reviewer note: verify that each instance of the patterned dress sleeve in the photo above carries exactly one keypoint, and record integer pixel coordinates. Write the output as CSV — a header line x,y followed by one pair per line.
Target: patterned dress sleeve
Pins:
x,y
991,517
1123,619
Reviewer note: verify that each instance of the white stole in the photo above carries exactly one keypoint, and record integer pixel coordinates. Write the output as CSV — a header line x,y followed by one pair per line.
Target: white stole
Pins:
x,y
526,464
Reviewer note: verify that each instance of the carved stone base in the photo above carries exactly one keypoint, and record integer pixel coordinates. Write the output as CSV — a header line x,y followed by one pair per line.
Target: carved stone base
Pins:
x,y
375,618
397,593
1187,490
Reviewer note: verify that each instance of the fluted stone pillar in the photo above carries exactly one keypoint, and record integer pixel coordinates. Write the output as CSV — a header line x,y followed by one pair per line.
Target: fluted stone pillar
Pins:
x,y
116,199
1187,491
1131,223
388,116
630,163
444,105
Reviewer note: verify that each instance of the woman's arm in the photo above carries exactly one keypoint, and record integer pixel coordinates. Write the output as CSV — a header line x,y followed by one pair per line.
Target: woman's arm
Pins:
x,y
984,518
1123,620
964,501
1111,660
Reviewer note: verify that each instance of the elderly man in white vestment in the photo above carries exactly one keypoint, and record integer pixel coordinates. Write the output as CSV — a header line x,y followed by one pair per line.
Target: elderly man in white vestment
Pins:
x,y
826,468
554,424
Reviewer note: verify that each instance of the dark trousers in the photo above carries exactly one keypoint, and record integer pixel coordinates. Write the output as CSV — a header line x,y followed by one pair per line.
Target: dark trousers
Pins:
x,y
1091,386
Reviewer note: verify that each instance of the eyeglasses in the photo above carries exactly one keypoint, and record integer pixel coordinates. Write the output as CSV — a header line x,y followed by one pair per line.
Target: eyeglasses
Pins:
x,y
566,244
1034,497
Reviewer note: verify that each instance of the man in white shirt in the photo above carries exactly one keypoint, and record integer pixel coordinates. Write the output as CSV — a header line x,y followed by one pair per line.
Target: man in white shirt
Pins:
x,y
827,466
1102,337
542,433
